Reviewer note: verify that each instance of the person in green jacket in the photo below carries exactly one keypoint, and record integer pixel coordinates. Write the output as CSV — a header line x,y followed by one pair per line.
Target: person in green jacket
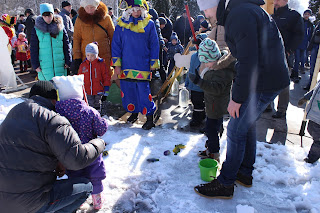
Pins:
x,y
216,85
50,49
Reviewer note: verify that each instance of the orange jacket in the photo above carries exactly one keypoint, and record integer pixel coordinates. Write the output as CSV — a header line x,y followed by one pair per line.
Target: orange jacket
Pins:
x,y
86,31
96,76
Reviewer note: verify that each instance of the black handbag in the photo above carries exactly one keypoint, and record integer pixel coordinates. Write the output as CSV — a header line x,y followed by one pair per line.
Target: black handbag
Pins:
x,y
316,38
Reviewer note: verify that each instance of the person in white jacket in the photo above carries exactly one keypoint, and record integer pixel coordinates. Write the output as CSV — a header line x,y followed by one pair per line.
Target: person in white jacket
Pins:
x,y
7,74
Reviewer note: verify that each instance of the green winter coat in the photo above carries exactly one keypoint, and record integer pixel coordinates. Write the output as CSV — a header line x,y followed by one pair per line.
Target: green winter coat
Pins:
x,y
216,85
51,55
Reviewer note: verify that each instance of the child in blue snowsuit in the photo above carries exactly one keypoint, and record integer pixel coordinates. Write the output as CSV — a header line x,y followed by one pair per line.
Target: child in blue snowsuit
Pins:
x,y
174,46
135,53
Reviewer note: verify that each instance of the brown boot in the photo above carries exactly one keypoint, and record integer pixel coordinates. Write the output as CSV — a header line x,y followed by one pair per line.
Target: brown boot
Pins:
x,y
206,154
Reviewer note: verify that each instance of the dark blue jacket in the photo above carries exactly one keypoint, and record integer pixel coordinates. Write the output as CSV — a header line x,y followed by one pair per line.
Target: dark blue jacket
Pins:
x,y
167,30
155,19
308,30
173,49
255,41
290,24
183,29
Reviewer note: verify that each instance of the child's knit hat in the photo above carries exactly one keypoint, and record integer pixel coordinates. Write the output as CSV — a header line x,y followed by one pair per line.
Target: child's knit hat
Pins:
x,y
92,48
307,11
204,24
208,51
162,21
22,33
174,36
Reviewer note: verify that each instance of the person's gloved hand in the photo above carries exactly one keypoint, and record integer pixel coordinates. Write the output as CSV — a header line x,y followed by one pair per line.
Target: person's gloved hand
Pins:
x,y
104,98
105,93
195,78
302,101
60,170
75,65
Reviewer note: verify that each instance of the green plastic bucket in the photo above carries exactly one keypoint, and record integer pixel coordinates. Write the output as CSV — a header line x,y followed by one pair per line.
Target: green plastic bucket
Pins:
x,y
208,169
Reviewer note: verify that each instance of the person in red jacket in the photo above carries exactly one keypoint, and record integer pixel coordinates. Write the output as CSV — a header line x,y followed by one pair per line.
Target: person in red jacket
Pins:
x,y
97,79
21,44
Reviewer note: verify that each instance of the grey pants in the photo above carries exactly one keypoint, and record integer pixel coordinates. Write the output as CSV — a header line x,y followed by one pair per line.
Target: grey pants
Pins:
x,y
283,100
314,130
94,101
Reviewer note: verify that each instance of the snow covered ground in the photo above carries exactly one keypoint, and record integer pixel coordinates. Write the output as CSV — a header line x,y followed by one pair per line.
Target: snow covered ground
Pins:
x,y
282,182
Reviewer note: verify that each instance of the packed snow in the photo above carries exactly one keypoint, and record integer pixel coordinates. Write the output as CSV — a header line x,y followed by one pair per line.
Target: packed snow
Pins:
x,y
282,182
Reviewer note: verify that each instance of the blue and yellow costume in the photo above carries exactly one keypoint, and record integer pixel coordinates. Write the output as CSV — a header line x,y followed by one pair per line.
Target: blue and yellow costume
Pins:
x,y
135,47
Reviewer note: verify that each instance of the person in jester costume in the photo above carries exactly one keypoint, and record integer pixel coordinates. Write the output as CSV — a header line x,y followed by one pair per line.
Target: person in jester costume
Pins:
x,y
135,53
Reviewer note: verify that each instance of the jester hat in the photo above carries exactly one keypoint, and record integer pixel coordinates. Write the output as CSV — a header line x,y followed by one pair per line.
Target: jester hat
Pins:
x,y
8,20
133,3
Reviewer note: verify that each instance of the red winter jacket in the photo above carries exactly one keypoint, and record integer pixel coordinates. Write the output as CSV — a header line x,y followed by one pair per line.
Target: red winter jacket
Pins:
x,y
96,76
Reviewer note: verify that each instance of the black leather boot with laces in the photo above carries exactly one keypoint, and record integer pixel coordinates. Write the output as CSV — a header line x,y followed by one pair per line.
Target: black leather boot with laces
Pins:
x,y
215,189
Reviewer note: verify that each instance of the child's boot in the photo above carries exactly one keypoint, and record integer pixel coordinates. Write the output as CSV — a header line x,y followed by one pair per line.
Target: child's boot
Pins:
x,y
197,118
314,153
97,201
25,67
21,67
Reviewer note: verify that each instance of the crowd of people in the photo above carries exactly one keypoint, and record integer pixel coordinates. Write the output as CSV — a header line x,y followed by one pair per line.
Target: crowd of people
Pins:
x,y
239,68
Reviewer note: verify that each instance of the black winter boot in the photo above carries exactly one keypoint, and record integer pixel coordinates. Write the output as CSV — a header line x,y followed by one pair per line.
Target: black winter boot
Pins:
x,y
133,118
197,118
149,123
214,189
244,180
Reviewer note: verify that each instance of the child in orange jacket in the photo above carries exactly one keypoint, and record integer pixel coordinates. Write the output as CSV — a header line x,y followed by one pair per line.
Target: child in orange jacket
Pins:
x,y
97,79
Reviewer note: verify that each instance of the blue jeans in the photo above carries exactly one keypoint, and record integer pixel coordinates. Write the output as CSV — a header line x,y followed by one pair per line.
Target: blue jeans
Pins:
x,y
67,195
313,58
241,137
299,61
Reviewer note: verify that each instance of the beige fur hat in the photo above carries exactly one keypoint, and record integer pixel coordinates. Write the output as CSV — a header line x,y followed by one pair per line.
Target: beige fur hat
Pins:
x,y
84,3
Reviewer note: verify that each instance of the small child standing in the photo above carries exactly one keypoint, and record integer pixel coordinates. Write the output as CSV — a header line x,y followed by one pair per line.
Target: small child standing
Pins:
x,y
174,46
21,45
216,85
313,114
197,95
87,122
97,79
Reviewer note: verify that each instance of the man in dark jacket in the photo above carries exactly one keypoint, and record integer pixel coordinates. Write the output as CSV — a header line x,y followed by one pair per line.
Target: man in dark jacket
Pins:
x,y
301,51
183,29
155,18
35,145
65,14
30,21
166,30
290,25
261,73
